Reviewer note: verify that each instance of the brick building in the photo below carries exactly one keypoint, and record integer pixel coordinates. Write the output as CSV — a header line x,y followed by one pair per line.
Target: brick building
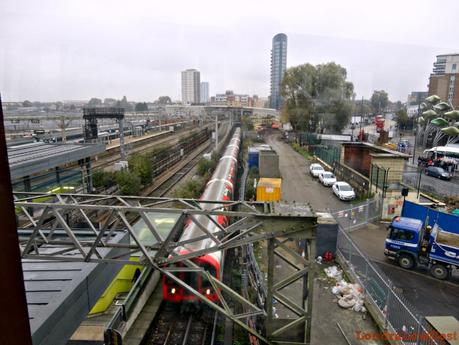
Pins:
x,y
444,81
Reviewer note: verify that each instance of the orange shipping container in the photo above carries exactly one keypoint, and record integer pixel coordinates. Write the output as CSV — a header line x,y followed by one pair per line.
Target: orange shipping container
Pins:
x,y
269,189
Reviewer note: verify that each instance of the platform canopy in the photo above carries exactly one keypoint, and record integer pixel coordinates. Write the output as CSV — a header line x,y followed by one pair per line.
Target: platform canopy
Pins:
x,y
29,159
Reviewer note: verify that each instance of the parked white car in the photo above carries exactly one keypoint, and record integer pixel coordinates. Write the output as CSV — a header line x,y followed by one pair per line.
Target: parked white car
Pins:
x,y
316,169
327,178
343,191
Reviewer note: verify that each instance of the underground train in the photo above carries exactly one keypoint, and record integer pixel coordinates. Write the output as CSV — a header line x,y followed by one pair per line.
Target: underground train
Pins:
x,y
220,188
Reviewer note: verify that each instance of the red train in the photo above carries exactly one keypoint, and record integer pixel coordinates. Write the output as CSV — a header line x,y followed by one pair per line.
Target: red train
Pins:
x,y
219,187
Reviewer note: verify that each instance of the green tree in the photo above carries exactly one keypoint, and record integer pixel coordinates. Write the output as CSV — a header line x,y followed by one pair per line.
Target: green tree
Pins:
x,y
102,178
27,103
128,182
379,100
93,102
247,122
402,119
163,100
141,166
317,97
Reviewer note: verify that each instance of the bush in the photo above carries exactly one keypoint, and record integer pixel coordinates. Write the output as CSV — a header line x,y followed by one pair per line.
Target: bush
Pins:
x,y
128,182
141,166
206,166
103,179
192,190
250,192
301,151
253,172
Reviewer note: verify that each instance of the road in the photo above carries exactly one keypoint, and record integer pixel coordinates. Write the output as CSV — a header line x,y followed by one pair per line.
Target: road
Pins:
x,y
431,184
297,184
428,295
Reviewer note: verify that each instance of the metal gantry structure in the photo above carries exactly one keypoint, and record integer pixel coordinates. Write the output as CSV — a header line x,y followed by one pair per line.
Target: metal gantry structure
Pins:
x,y
57,227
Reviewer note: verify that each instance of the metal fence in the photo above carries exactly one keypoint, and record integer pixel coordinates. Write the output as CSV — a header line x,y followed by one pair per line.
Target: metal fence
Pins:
x,y
356,216
328,153
390,309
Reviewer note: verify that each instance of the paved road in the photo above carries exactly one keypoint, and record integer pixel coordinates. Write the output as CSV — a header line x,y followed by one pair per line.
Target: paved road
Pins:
x,y
297,183
428,295
431,184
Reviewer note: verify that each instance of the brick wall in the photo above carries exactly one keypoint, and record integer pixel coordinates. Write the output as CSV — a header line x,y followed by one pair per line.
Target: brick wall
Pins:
x,y
358,158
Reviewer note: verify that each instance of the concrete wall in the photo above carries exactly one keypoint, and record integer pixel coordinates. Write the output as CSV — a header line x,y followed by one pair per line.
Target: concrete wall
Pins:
x,y
393,204
359,182
395,166
268,164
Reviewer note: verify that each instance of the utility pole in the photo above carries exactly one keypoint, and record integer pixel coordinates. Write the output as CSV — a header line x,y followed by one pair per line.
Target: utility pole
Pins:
x,y
415,128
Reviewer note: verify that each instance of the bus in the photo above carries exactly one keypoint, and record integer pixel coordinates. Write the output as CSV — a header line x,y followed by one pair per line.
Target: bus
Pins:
x,y
443,152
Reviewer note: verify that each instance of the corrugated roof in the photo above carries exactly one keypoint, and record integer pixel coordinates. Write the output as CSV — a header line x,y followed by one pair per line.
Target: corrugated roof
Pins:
x,y
61,294
33,158
270,182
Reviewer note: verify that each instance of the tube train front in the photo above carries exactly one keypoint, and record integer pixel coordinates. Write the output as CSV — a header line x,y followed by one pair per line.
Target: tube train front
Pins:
x,y
219,188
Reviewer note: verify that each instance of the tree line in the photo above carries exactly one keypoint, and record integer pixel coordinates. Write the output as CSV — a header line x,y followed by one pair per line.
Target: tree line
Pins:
x,y
320,98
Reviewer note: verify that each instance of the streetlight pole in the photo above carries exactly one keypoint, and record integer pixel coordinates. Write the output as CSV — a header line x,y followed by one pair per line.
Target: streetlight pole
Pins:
x,y
415,127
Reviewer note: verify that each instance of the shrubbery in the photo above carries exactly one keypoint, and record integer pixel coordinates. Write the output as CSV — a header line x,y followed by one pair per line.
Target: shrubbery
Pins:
x,y
206,166
103,179
142,167
129,183
191,190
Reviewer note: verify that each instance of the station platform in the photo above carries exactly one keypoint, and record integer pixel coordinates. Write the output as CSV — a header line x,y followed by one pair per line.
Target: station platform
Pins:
x,y
115,143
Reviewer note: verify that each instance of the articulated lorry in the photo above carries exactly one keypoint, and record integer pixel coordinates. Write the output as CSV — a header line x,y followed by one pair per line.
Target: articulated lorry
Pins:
x,y
411,244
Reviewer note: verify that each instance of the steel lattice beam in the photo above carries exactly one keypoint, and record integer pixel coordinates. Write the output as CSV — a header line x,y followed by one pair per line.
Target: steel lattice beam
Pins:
x,y
51,226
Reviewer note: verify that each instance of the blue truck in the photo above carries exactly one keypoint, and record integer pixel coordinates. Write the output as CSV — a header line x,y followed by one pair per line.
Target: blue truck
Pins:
x,y
411,245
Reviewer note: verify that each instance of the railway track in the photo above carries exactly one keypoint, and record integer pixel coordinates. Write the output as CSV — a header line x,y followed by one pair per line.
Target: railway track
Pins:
x,y
172,179
169,140
172,327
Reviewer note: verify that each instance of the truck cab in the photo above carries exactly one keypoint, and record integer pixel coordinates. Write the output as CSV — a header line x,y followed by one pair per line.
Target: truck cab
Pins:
x,y
403,241
433,248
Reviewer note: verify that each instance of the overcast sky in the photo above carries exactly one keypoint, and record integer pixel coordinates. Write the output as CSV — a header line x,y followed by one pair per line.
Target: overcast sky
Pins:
x,y
61,50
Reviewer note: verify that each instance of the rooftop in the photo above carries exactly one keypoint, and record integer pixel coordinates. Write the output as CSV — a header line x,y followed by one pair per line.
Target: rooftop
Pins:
x,y
33,158
61,294
380,151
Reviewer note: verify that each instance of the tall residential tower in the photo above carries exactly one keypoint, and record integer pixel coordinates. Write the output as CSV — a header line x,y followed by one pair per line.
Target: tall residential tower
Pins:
x,y
191,86
204,92
278,67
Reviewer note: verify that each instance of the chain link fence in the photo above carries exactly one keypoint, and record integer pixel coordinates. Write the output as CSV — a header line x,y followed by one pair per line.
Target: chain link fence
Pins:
x,y
356,216
390,308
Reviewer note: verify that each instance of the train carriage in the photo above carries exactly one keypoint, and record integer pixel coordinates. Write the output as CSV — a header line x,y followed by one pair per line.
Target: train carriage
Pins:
x,y
219,188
